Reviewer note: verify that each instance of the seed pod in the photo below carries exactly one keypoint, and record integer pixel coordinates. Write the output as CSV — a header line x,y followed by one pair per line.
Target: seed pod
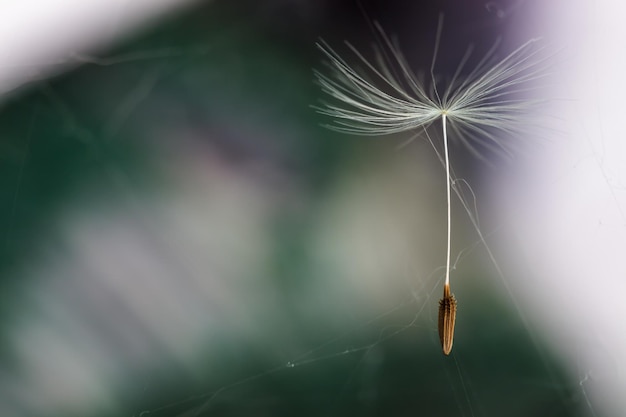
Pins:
x,y
447,317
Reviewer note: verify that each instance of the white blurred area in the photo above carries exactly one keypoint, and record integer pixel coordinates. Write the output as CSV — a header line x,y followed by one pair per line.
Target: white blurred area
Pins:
x,y
39,39
567,212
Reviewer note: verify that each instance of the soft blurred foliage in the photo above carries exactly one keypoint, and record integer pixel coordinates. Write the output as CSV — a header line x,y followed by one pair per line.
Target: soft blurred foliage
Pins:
x,y
181,237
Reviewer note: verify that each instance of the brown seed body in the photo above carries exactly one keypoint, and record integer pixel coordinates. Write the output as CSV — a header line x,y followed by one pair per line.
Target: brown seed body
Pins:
x,y
447,316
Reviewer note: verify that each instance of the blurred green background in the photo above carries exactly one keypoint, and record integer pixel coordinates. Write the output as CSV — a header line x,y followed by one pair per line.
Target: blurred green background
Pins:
x,y
180,236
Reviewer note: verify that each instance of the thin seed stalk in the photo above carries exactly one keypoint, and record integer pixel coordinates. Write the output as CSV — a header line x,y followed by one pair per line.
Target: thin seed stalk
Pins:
x,y
448,181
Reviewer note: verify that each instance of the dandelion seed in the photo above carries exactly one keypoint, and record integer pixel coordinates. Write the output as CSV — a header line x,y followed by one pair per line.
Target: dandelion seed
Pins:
x,y
477,107
447,317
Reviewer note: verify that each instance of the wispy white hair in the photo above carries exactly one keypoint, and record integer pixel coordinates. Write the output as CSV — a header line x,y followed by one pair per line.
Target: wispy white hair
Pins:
x,y
385,97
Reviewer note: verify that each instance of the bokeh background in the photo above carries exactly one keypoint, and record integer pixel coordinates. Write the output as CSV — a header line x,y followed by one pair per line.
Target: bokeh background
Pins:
x,y
180,237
